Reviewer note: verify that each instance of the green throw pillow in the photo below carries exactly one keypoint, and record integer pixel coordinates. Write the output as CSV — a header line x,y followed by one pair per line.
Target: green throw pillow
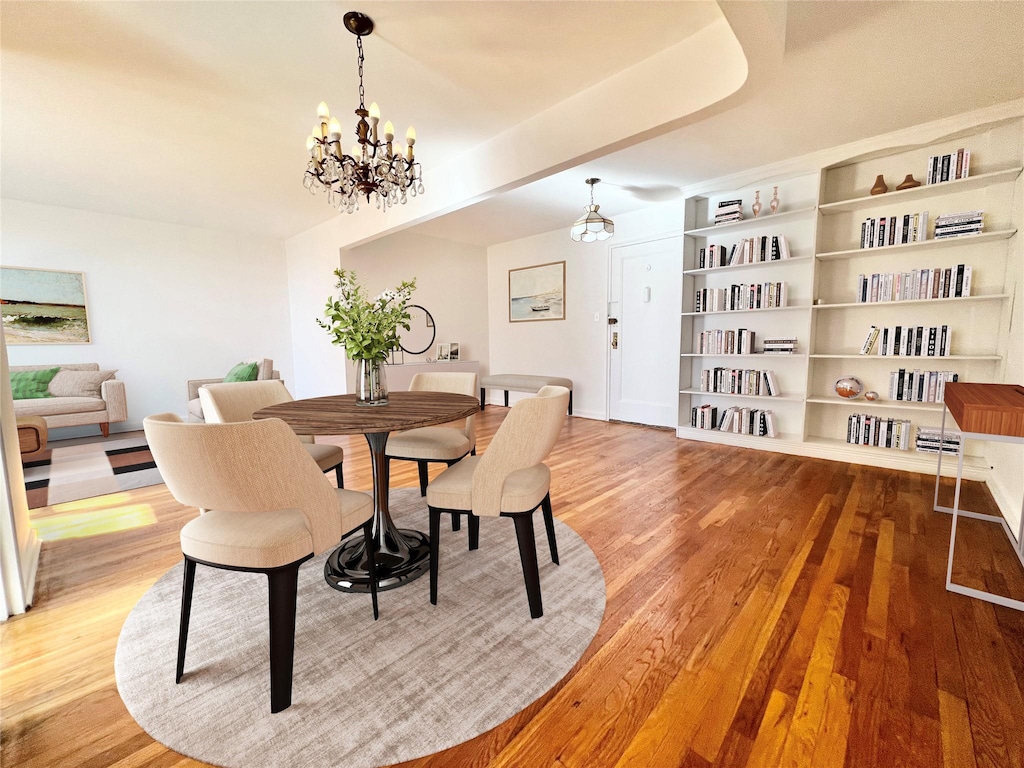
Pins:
x,y
242,372
26,385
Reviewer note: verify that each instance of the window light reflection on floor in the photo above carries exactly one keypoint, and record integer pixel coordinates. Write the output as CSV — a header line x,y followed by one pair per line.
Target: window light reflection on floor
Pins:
x,y
81,519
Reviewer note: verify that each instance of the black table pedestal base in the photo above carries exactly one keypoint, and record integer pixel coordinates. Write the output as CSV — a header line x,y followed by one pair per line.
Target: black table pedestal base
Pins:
x,y
346,567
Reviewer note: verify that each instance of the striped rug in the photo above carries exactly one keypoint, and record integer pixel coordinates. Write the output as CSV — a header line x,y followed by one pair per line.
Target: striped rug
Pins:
x,y
77,469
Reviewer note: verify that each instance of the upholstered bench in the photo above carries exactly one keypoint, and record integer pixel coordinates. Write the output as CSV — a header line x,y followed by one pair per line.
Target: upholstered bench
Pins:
x,y
519,382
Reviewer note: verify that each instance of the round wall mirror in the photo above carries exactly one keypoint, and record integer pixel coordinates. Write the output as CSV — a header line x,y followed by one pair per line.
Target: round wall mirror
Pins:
x,y
420,336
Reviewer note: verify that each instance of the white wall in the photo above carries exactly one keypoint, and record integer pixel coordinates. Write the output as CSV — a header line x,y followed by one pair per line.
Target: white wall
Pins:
x,y
576,347
166,303
451,282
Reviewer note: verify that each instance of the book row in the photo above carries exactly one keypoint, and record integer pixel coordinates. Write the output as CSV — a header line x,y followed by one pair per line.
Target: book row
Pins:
x,y
722,342
919,386
735,419
740,297
959,224
931,440
739,381
866,429
894,230
909,341
751,250
955,165
948,283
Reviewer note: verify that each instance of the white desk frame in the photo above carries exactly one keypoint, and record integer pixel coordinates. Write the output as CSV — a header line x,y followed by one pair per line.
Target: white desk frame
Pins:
x,y
1017,542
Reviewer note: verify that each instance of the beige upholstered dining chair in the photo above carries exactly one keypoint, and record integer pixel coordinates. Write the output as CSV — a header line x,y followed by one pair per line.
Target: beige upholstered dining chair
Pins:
x,y
238,401
508,480
446,443
264,370
269,509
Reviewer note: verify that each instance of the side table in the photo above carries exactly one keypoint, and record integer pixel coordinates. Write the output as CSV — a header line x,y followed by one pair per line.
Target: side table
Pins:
x,y
982,412
32,436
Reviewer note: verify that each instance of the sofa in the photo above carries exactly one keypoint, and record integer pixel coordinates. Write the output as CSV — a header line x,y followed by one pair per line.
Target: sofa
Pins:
x,y
264,370
77,398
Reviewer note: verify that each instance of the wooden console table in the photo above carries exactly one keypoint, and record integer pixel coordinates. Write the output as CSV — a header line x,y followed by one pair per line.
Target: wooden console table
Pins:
x,y
982,412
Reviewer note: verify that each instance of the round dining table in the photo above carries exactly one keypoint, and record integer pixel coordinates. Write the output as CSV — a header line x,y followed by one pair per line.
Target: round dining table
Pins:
x,y
401,554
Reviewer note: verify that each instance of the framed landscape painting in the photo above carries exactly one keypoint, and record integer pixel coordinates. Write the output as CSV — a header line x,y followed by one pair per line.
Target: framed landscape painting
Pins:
x,y
537,293
43,306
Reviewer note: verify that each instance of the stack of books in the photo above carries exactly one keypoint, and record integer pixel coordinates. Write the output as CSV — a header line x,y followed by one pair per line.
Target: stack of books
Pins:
x,y
955,165
959,224
704,417
894,230
729,211
739,342
931,440
948,283
739,381
741,421
866,429
919,386
779,346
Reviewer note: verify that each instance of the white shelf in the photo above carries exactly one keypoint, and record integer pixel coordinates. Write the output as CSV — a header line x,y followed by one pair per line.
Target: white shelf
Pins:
x,y
776,263
919,193
902,405
789,398
925,245
734,438
875,356
927,460
745,311
761,221
745,354
876,304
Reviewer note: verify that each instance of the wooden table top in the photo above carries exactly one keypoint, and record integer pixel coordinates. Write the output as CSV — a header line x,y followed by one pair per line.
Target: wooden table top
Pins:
x,y
991,409
339,414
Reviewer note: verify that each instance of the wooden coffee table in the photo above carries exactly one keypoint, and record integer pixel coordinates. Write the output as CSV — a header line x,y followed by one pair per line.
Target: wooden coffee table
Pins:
x,y
402,554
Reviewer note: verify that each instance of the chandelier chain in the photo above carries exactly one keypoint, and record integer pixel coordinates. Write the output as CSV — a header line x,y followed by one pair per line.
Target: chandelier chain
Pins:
x,y
359,47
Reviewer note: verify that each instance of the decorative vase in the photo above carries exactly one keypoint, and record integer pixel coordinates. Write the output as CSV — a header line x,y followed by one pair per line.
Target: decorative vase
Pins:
x,y
880,186
756,207
849,387
371,384
909,183
774,204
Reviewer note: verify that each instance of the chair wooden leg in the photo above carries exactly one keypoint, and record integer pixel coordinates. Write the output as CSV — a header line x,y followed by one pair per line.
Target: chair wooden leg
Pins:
x,y
186,611
549,524
528,556
283,588
506,398
423,477
474,531
456,519
105,428
483,401
340,475
570,402
435,536
371,563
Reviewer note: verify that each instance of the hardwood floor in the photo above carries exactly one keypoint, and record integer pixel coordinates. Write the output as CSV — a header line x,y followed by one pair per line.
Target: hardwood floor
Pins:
x,y
763,610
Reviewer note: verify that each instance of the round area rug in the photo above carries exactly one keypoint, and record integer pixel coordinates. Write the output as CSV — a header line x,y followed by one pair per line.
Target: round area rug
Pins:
x,y
420,680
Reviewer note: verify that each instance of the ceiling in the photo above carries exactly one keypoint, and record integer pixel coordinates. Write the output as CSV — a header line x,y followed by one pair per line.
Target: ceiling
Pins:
x,y
197,112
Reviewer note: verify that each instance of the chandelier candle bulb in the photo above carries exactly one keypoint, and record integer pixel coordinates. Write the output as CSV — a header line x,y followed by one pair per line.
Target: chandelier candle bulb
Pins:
x,y
334,129
374,113
389,132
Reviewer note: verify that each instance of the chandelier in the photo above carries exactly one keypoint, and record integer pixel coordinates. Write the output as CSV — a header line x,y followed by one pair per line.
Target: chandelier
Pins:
x,y
592,225
375,168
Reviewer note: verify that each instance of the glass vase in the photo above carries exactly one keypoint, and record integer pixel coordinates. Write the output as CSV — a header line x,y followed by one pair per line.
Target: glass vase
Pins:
x,y
371,384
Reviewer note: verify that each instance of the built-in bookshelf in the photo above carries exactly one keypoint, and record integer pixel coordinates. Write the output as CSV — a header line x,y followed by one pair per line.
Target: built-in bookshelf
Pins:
x,y
821,214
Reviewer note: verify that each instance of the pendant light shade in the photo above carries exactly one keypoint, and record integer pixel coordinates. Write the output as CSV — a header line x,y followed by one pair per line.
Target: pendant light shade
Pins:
x,y
592,225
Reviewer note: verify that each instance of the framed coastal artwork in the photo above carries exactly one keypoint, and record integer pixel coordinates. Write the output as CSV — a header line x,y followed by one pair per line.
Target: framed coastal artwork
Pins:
x,y
43,306
536,293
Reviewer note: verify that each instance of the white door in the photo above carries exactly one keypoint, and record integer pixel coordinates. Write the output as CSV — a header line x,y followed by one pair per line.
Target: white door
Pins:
x,y
645,289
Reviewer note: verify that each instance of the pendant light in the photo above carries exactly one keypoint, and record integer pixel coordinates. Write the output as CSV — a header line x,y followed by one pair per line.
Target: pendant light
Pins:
x,y
592,225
